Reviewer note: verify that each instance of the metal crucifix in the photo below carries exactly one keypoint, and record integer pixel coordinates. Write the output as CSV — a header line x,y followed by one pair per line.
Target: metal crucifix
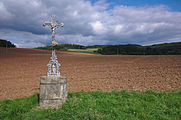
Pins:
x,y
53,65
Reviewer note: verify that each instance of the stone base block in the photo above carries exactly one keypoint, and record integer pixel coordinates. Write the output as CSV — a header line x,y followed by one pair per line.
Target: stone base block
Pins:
x,y
53,91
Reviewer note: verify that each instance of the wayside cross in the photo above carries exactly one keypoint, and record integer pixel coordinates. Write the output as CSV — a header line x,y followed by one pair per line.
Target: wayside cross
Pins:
x,y
53,65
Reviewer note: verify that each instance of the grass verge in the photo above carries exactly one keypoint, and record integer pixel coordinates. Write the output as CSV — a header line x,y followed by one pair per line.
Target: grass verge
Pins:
x,y
99,105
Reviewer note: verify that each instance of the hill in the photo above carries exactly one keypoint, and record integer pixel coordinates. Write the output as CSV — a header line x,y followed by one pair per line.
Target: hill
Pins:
x,y
132,49
63,47
5,43
129,49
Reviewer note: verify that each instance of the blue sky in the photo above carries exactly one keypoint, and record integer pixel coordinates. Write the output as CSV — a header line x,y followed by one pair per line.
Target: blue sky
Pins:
x,y
91,22
174,5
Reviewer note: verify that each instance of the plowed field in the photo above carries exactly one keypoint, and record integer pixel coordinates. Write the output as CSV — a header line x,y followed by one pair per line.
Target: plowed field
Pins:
x,y
20,71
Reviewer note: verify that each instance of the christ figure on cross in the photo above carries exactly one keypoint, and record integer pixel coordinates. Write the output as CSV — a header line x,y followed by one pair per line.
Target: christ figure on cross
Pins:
x,y
53,25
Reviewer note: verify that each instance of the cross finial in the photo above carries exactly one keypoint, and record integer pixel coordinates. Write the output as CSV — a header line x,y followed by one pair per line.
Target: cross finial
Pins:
x,y
53,17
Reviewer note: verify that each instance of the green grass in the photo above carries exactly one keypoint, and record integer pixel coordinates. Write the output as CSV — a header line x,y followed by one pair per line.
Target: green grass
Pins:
x,y
88,50
99,105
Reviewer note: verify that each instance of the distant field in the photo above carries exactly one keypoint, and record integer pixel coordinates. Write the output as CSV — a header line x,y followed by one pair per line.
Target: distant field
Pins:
x,y
89,50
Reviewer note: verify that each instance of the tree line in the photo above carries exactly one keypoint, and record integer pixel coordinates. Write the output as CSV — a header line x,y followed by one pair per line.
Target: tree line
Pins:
x,y
5,43
129,49
62,47
132,49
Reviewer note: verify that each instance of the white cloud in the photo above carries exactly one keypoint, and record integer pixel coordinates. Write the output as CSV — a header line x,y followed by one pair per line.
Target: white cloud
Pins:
x,y
98,27
118,28
4,14
87,24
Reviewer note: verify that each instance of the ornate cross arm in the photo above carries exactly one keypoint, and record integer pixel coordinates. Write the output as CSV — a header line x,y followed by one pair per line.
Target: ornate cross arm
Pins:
x,y
47,24
51,25
59,24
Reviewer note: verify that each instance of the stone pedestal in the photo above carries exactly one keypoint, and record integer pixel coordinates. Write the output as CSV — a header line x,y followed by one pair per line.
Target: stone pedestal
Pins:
x,y
53,91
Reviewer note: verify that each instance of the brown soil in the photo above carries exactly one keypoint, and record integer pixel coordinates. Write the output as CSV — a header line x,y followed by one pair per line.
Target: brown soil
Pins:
x,y
20,71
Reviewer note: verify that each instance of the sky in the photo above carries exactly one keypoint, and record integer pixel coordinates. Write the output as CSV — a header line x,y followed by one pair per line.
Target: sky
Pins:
x,y
91,22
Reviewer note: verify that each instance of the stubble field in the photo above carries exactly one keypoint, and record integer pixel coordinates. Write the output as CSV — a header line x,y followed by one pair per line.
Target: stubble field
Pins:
x,y
20,71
